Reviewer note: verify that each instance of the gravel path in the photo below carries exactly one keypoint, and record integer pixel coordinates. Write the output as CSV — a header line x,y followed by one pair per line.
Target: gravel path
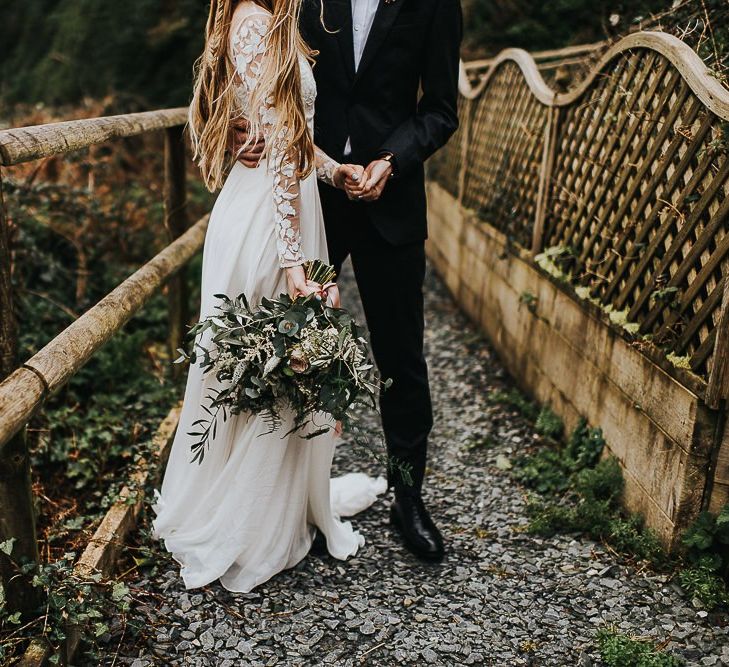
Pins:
x,y
502,597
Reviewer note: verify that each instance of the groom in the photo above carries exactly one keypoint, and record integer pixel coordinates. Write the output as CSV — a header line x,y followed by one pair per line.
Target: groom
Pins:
x,y
387,77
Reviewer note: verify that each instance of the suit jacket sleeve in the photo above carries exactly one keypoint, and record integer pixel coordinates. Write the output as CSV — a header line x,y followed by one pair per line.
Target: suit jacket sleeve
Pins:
x,y
436,119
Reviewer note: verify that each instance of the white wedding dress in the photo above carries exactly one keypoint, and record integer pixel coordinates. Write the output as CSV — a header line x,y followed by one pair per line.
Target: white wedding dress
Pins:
x,y
251,508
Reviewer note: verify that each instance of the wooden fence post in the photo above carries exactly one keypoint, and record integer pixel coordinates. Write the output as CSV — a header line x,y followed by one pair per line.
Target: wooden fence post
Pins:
x,y
718,385
465,121
175,196
17,518
545,177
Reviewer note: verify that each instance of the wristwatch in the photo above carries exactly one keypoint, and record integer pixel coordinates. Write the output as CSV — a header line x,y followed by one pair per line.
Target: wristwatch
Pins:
x,y
389,157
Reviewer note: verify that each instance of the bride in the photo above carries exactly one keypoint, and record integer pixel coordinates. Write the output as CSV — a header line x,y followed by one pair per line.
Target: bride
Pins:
x,y
251,508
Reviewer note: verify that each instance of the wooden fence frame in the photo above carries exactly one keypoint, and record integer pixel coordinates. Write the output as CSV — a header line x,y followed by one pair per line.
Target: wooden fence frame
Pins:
x,y
707,88
25,387
465,249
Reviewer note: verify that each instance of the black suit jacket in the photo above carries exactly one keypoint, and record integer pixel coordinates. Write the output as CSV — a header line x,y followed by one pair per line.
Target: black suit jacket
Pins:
x,y
402,99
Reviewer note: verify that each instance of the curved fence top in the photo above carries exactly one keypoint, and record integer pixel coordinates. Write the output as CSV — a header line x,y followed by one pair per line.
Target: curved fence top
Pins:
x,y
693,70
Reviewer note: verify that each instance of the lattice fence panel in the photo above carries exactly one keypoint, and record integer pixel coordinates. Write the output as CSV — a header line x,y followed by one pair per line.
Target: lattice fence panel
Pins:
x,y
639,200
505,154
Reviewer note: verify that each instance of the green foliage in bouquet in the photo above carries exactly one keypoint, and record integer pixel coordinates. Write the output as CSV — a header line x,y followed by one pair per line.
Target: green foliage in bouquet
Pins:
x,y
299,355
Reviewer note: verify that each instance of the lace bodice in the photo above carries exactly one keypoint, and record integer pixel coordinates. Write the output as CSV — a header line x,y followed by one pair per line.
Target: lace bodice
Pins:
x,y
248,50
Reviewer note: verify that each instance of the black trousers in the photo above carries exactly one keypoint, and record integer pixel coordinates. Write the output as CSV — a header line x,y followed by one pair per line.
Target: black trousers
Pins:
x,y
390,281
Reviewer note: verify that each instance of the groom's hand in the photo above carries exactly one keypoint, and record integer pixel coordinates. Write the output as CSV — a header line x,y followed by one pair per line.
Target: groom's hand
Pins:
x,y
377,174
253,154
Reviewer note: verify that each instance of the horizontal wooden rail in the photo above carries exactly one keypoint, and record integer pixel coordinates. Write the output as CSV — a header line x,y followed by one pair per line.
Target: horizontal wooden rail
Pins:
x,y
542,56
529,69
689,64
23,391
24,144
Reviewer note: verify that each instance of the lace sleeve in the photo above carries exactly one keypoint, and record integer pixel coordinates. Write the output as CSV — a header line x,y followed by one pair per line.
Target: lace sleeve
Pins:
x,y
325,166
248,45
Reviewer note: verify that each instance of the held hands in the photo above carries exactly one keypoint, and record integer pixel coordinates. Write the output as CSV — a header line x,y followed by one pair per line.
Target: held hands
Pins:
x,y
363,184
253,154
348,175
370,187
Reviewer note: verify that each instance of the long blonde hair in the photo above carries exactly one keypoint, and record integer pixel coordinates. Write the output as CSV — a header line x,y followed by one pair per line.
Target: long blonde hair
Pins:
x,y
213,103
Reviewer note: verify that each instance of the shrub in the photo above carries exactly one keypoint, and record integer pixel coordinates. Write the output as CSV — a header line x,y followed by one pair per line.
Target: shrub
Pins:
x,y
700,580
707,551
552,469
513,398
549,424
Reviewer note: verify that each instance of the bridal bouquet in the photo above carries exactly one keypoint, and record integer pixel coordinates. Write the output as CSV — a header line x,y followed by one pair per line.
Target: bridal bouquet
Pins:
x,y
297,354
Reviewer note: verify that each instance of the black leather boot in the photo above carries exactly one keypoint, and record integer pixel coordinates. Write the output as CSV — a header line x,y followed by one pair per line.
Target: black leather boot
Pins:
x,y
319,545
409,516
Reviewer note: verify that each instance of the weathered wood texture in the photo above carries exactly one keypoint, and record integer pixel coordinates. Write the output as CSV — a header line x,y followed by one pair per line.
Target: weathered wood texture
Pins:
x,y
660,431
561,69
635,192
18,522
36,655
627,175
8,333
17,516
176,222
30,143
104,548
541,57
641,204
22,391
51,367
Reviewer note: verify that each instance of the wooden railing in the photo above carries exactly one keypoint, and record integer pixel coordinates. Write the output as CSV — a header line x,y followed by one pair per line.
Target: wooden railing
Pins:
x,y
25,386
627,172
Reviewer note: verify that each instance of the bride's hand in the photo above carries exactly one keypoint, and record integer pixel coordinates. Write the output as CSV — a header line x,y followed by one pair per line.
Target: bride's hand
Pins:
x,y
297,284
348,176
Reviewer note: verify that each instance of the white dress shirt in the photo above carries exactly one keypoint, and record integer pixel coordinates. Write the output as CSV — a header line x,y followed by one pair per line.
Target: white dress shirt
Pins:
x,y
363,15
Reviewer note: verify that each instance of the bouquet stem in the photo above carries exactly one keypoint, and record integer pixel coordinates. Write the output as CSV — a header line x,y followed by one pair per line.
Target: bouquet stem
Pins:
x,y
319,272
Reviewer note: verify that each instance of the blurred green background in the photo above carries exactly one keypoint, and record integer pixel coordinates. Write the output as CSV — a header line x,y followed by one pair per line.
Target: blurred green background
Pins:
x,y
141,51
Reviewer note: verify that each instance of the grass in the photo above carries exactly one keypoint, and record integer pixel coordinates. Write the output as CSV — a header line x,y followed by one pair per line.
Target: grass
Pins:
x,y
549,424
514,399
619,650
577,490
552,468
700,580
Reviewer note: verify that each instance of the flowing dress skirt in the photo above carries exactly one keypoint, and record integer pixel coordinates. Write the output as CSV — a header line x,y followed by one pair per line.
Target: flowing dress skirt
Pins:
x,y
250,509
